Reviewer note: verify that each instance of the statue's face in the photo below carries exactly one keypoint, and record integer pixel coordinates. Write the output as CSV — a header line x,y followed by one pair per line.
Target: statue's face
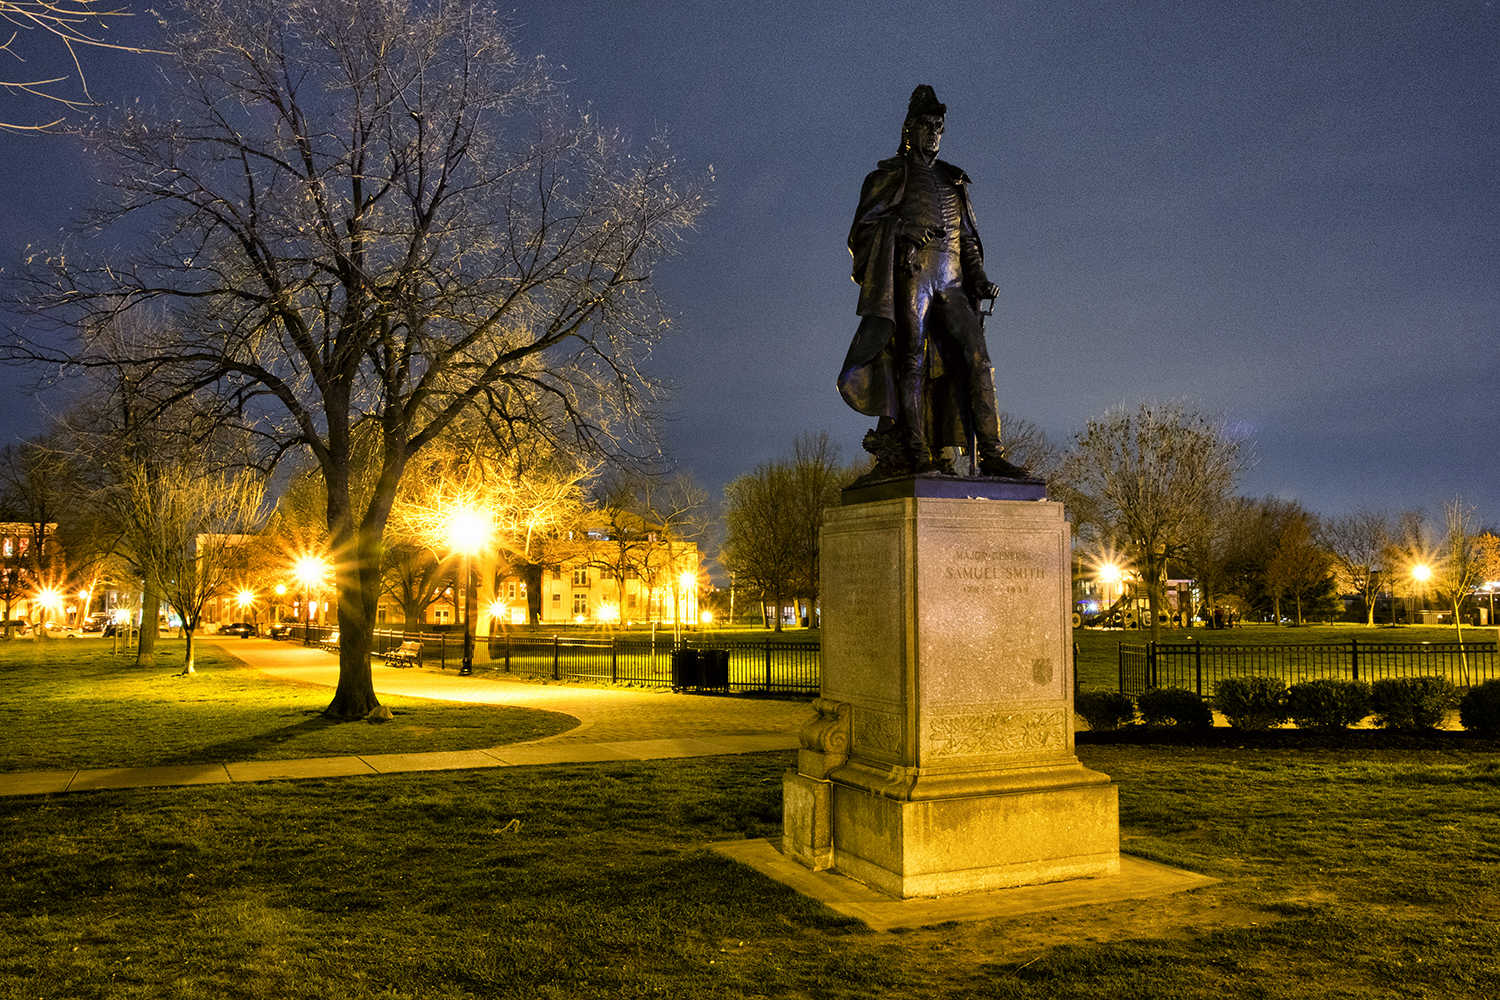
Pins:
x,y
927,133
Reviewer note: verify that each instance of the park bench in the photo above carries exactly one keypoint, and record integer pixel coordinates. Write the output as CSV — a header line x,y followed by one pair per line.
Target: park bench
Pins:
x,y
331,643
408,654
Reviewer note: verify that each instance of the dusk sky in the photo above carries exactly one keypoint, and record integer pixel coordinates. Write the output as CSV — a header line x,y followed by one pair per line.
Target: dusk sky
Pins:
x,y
1286,214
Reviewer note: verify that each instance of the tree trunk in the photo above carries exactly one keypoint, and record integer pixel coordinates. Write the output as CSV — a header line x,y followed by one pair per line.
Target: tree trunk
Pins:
x,y
187,662
357,576
531,573
145,650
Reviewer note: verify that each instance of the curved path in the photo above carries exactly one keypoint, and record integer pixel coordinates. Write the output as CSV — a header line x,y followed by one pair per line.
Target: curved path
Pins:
x,y
614,725
604,714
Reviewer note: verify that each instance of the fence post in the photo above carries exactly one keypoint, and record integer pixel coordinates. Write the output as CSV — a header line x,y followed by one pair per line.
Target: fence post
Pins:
x,y
1150,664
768,664
1120,666
556,654
507,652
614,659
1198,665
1354,657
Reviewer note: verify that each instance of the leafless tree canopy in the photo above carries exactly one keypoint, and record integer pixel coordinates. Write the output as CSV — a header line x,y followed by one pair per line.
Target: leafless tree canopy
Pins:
x,y
373,213
1149,479
1356,541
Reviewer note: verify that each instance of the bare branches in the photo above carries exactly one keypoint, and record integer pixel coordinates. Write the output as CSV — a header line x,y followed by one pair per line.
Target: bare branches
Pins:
x,y
73,24
370,224
1151,478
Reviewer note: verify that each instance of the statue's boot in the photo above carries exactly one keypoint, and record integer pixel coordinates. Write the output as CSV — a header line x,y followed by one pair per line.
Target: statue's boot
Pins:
x,y
992,460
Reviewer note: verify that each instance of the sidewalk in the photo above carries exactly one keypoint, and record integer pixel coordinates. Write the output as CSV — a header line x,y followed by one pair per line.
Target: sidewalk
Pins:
x,y
613,725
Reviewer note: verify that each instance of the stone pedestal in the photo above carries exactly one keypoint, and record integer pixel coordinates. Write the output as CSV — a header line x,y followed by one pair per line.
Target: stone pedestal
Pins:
x,y
941,760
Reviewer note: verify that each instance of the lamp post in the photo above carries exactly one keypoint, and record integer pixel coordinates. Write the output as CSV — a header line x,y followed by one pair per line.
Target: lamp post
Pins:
x,y
1421,573
467,531
309,570
1109,575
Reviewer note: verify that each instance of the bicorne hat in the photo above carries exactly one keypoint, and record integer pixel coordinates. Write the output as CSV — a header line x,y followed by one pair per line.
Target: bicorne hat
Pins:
x,y
924,102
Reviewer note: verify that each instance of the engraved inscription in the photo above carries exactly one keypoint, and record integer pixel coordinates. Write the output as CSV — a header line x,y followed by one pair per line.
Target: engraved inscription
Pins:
x,y
967,735
1005,571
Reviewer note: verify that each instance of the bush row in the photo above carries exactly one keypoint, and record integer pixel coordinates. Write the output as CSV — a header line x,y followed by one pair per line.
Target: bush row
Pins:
x,y
1263,702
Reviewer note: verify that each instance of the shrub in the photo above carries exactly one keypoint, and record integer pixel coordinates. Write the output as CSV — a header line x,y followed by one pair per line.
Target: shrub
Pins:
x,y
1175,707
1480,708
1412,702
1328,703
1252,702
1104,709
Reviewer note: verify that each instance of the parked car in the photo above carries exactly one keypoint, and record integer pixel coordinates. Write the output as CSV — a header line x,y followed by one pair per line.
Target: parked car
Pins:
x,y
244,630
97,621
280,630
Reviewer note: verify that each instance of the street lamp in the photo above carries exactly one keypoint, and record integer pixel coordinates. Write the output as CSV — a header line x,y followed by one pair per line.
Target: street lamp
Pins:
x,y
1421,573
468,531
309,571
1109,575
246,600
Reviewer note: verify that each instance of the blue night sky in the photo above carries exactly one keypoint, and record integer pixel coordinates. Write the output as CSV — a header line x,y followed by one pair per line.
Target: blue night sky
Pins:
x,y
1287,214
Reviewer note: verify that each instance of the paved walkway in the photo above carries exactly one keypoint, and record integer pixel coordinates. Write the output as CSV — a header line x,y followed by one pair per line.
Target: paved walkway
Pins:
x,y
613,724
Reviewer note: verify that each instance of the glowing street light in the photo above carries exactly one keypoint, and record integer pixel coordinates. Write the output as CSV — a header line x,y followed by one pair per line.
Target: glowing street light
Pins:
x,y
1421,573
309,571
1110,575
468,532
48,597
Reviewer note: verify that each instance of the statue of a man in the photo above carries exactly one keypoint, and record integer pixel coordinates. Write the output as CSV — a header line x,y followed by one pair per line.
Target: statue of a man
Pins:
x,y
919,360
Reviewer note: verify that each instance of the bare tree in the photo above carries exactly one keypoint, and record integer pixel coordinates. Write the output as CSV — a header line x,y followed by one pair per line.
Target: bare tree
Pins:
x,y
1027,445
1356,541
183,524
761,537
1460,566
71,24
817,478
373,214
1298,566
1151,478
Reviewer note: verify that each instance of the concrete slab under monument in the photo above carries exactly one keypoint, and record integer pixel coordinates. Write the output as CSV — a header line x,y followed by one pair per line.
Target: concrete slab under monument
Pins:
x,y
1136,879
941,760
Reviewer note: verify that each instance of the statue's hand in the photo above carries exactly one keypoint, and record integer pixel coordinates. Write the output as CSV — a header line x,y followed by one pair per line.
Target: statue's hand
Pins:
x,y
987,290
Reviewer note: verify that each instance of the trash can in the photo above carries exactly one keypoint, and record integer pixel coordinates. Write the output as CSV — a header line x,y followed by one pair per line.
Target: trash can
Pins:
x,y
687,669
714,666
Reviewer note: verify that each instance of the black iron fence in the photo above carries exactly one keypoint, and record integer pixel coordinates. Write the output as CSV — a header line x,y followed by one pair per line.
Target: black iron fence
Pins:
x,y
652,661
766,666
1199,666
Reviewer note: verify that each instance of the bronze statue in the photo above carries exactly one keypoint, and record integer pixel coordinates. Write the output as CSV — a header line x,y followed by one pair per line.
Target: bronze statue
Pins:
x,y
919,360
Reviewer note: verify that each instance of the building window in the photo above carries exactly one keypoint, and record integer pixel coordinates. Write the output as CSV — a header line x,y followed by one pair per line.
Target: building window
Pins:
x,y
581,577
441,615
580,603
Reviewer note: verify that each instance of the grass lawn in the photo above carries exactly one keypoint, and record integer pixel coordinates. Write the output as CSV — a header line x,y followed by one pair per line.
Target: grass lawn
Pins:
x,y
71,703
1098,649
1344,876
